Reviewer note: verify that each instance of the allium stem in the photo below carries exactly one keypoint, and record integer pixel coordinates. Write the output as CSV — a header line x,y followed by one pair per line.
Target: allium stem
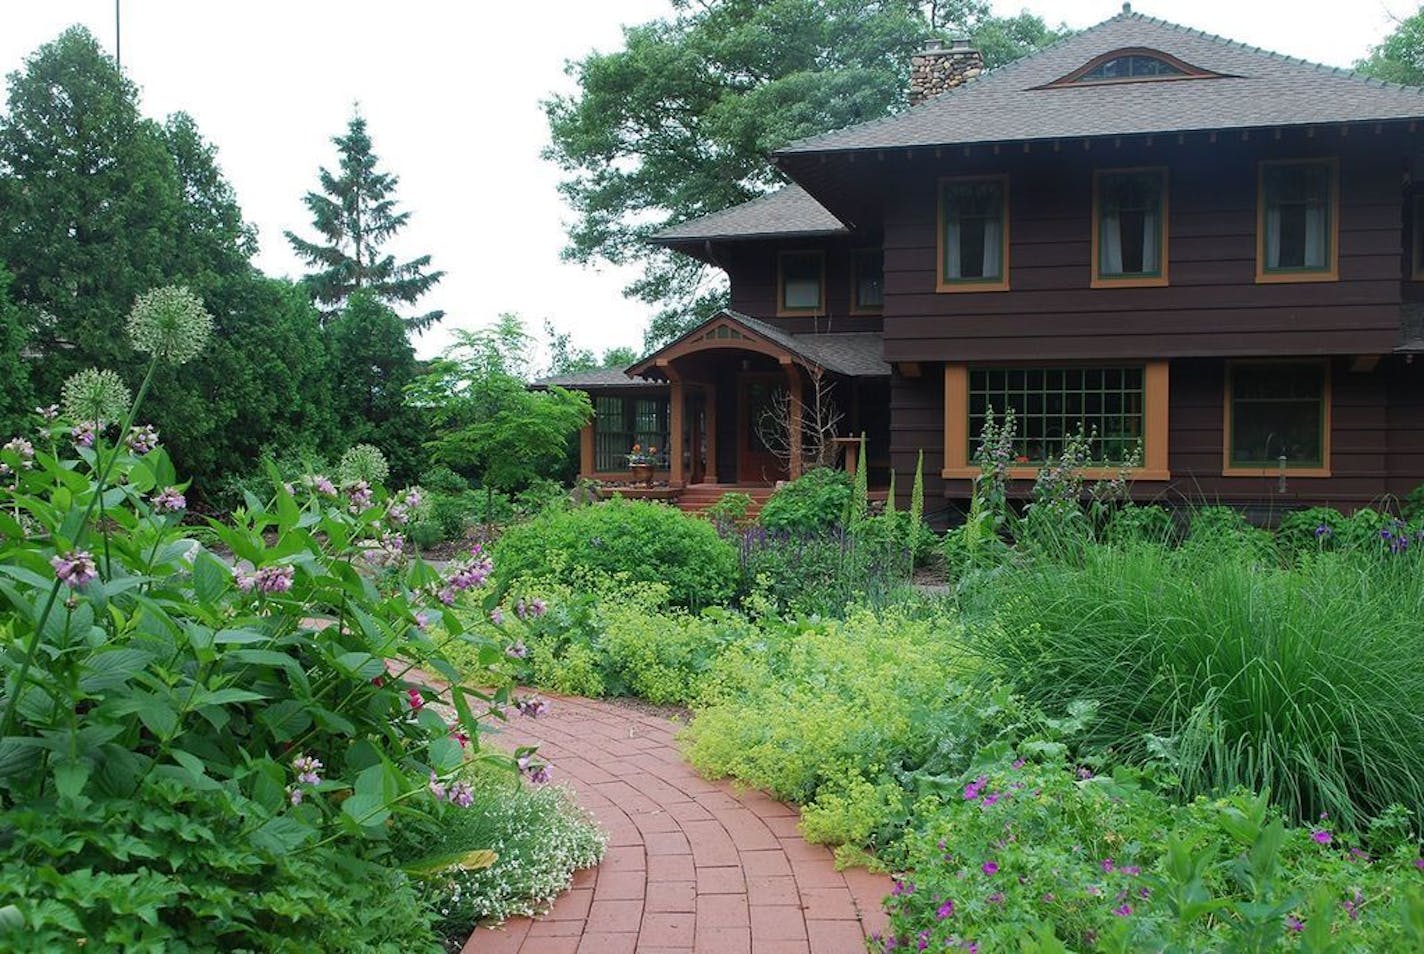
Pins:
x,y
7,722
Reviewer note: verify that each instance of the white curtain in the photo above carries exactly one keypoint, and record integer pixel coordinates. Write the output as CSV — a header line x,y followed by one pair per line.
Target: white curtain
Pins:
x,y
1314,237
1111,250
993,248
1151,239
1273,235
951,250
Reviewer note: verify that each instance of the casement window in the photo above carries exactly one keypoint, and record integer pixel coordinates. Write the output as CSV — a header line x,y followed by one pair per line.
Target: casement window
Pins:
x,y
974,234
1277,415
801,283
1129,227
1123,408
621,422
1298,221
867,280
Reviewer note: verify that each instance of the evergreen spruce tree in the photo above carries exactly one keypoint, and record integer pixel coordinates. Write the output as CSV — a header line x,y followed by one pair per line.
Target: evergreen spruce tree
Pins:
x,y
16,396
355,214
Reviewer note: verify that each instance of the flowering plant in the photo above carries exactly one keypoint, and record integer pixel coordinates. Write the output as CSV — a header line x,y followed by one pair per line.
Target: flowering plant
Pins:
x,y
196,720
639,458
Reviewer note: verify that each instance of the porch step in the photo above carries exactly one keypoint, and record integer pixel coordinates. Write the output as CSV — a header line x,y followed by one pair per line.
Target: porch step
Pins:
x,y
696,498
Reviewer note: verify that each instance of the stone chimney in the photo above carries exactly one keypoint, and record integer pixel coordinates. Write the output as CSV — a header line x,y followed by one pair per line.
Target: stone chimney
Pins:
x,y
937,69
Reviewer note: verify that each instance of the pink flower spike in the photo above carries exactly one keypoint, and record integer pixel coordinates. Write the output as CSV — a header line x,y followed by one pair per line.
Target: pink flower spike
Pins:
x,y
1321,836
945,910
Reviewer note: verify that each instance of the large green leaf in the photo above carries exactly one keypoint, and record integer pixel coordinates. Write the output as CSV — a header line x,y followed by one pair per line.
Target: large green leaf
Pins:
x,y
286,719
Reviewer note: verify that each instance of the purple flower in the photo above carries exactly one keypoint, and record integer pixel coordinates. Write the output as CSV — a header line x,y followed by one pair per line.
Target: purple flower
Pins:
x,y
1108,866
412,498
462,795
142,439
923,941
274,579
1357,854
83,434
422,619
1018,763
540,775
397,514
322,485
497,616
531,706
307,768
437,787
1123,910
22,449
1322,531
974,788
75,568
990,867
517,651
359,494
1321,836
1294,924
992,799
171,500
945,910
1352,907
1419,864
996,898
1130,870
1085,773
294,795
49,413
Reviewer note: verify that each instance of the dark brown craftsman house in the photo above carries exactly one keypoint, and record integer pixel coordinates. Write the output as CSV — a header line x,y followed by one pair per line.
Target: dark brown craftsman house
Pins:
x,y
1160,235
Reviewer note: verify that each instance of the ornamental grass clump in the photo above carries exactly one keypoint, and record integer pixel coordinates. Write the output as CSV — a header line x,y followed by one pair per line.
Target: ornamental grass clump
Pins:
x,y
1307,682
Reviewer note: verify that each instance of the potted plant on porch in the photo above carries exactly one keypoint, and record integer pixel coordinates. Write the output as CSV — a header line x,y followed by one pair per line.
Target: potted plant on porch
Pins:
x,y
643,465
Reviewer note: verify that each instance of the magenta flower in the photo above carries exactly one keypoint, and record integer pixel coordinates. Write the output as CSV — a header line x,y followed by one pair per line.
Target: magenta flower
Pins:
x,y
974,788
1130,870
416,700
171,500
1018,763
1419,864
540,775
75,568
1321,836
945,910
990,868
923,941
996,898
1123,910
992,799
1294,924
1107,866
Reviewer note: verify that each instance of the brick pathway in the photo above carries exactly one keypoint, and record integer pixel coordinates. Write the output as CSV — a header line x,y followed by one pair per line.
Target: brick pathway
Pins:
x,y
692,865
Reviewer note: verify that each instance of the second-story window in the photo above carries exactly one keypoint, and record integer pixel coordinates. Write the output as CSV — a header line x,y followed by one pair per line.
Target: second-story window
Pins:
x,y
974,234
801,284
867,281
1130,231
1296,234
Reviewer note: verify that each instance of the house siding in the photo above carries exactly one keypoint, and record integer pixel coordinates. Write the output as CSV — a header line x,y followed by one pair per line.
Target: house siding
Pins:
x,y
752,270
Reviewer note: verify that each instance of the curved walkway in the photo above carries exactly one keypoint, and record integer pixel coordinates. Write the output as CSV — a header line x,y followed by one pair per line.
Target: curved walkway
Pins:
x,y
692,865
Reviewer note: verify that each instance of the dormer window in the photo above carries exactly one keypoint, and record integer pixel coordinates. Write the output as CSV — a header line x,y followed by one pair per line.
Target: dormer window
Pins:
x,y
1133,65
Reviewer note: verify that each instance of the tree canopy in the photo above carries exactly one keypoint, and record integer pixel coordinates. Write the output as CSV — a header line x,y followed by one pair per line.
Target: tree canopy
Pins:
x,y
679,122
355,215
1400,57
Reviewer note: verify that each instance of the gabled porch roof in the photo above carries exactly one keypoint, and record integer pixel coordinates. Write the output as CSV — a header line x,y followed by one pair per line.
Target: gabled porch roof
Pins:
x,y
852,354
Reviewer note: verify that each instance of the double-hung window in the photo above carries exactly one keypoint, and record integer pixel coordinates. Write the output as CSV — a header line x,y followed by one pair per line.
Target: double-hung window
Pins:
x,y
801,283
974,234
1277,416
1296,235
1129,227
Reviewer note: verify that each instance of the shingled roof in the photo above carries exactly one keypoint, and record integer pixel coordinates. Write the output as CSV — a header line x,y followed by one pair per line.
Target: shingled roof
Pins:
x,y
1256,89
789,211
857,354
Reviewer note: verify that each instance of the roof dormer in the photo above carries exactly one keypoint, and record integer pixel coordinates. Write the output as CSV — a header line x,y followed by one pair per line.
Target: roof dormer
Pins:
x,y
1134,64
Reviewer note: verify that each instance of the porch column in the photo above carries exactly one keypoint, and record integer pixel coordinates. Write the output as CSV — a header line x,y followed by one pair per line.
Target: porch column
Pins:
x,y
676,408
794,391
709,393
586,450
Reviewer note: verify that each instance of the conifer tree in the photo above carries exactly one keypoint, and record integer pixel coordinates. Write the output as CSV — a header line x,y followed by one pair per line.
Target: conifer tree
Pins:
x,y
355,214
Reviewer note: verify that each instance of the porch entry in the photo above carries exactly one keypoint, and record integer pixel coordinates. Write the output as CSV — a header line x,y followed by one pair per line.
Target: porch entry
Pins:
x,y
756,463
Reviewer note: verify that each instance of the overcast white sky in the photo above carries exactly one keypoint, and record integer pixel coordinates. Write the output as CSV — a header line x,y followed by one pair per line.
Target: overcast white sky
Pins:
x,y
451,92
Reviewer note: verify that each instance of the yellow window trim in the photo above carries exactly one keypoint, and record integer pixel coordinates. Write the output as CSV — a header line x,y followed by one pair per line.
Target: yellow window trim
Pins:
x,y
962,285
1331,272
1155,421
1130,281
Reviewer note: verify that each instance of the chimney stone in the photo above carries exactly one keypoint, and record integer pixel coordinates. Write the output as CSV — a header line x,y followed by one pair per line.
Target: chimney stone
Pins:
x,y
937,69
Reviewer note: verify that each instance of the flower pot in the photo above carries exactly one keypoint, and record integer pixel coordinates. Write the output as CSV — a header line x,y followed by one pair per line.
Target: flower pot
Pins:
x,y
643,473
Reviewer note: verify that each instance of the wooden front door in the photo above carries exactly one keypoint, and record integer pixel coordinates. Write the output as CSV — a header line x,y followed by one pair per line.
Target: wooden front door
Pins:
x,y
755,462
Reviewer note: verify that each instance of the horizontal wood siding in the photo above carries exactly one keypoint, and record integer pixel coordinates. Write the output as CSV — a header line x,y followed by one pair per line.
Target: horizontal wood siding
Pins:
x,y
1405,419
751,268
916,424
1213,305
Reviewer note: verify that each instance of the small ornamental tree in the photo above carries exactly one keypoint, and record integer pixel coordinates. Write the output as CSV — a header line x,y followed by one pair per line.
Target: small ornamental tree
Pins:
x,y
203,751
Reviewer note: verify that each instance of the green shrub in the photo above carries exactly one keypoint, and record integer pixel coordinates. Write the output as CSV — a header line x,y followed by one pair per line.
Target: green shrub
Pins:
x,y
824,713
818,574
538,835
1108,863
1411,508
1133,523
812,503
730,511
540,495
1311,530
1306,682
1222,529
638,540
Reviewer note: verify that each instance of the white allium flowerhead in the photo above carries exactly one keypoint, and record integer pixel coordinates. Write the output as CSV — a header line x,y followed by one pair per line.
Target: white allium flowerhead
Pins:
x,y
93,395
363,462
170,322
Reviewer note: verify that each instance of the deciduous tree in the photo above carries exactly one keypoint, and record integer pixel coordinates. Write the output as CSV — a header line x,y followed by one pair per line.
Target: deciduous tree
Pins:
x,y
1399,58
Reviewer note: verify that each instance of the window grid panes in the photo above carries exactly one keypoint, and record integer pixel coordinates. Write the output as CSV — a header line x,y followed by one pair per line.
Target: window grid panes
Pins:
x,y
801,281
1130,224
621,422
1296,216
1129,67
1277,411
1052,404
869,280
973,231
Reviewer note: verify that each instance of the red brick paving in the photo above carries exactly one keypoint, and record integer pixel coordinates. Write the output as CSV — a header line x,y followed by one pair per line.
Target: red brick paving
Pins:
x,y
692,867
